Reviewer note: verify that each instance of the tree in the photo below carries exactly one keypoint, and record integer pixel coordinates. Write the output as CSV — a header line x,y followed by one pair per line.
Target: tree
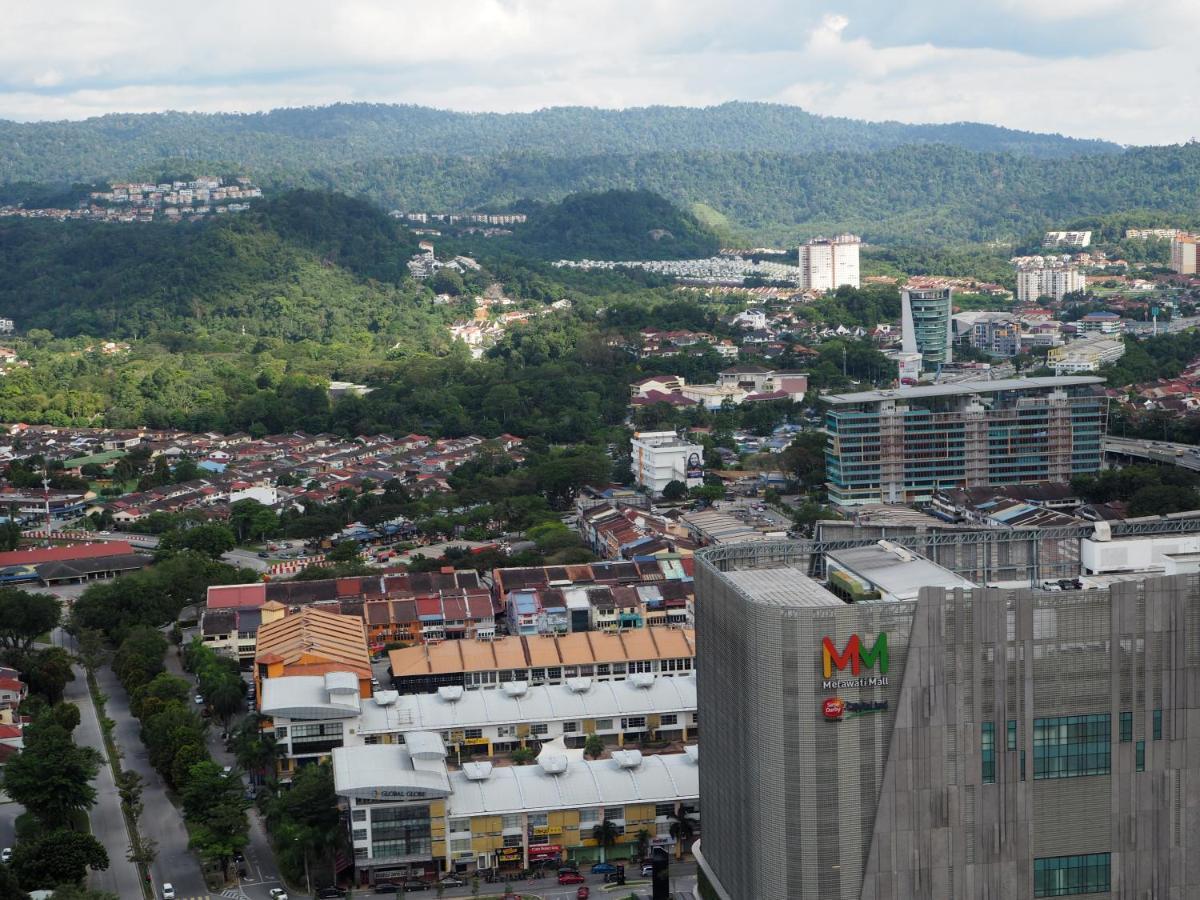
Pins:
x,y
61,856
139,658
683,829
52,777
642,842
254,749
251,521
93,648
226,697
593,746
213,541
164,688
605,834
24,617
674,490
10,536
46,670
345,551
306,816
523,756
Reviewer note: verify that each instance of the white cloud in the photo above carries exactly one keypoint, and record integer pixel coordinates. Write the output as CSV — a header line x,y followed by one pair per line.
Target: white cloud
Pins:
x,y
1130,77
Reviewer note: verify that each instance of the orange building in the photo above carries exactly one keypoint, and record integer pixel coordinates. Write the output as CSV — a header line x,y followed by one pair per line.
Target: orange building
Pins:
x,y
311,642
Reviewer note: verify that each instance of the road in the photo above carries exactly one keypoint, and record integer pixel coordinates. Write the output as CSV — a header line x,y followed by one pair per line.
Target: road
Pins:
x,y
160,819
262,873
1185,455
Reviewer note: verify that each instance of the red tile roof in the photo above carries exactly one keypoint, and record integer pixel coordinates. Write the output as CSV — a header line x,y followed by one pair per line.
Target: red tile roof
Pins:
x,y
65,554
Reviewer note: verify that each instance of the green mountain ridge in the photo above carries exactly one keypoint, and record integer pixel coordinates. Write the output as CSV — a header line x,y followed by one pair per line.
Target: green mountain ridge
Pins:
x,y
296,139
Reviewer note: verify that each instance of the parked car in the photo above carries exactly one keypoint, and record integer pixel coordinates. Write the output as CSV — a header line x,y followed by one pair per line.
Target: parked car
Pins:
x,y
647,870
277,894
263,554
6,855
199,698
329,893
453,881
583,893
415,884
168,891
570,878
603,868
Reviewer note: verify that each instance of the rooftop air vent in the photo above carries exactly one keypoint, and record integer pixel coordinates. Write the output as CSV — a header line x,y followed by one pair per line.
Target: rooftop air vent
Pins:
x,y
515,688
642,680
450,693
579,685
627,759
553,763
477,771
386,698
693,752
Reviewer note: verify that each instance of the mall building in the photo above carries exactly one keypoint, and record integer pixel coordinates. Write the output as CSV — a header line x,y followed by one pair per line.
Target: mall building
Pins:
x,y
968,744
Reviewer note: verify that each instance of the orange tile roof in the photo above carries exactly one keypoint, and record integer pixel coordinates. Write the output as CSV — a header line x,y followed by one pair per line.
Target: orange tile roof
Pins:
x,y
313,640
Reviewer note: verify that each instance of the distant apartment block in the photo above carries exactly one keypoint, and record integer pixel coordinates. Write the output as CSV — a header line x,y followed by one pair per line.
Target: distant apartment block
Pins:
x,y
7,326
1067,239
1055,280
828,263
996,333
1146,233
660,457
925,324
1085,355
1183,253
900,446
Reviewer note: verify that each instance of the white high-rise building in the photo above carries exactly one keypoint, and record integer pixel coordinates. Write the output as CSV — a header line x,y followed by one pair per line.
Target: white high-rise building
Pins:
x,y
660,457
1183,253
1048,281
827,264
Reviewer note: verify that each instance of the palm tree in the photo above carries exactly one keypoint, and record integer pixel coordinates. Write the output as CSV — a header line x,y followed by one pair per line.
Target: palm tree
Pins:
x,y
605,834
683,829
643,843
593,746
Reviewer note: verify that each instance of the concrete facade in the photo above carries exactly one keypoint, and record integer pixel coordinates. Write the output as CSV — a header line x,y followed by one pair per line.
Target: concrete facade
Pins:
x,y
904,802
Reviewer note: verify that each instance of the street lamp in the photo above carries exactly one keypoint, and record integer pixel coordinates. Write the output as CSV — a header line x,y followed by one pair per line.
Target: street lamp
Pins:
x,y
307,882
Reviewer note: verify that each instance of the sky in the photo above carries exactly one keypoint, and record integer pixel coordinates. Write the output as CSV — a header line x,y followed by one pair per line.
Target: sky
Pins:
x,y
1117,69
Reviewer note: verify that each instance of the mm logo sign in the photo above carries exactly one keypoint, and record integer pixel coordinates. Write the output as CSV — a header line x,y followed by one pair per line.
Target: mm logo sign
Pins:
x,y
857,656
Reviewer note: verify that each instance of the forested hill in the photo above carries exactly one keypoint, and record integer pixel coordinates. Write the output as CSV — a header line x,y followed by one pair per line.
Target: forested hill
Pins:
x,y
116,146
613,225
305,265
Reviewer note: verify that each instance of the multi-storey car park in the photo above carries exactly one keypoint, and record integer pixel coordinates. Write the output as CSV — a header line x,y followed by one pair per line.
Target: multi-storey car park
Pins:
x,y
1000,742
900,446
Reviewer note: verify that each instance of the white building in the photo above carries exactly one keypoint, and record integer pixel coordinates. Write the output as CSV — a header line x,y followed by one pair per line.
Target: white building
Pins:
x,y
1067,239
1183,253
1048,280
1085,355
660,457
7,326
827,264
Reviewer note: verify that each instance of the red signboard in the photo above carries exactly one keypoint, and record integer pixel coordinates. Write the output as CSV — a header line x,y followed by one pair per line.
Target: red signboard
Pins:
x,y
833,708
541,851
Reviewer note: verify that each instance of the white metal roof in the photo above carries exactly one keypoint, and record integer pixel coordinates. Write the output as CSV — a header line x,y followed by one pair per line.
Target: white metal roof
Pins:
x,y
782,586
963,387
387,772
896,571
541,703
509,789
309,697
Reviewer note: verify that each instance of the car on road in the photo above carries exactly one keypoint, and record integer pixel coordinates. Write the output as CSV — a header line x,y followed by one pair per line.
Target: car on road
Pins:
x,y
277,894
168,892
263,554
647,871
329,893
387,888
227,771
570,878
603,868
199,699
416,884
6,855
453,881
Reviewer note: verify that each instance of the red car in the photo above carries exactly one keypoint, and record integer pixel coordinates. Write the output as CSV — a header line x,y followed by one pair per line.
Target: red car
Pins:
x,y
570,878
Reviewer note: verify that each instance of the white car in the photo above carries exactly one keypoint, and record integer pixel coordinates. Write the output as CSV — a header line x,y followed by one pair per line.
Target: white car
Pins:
x,y
199,700
6,855
168,891
278,894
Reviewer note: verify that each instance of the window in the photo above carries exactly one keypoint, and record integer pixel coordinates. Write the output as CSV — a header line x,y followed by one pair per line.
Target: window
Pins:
x,y
537,674
538,820
1139,751
1072,746
589,816
604,724
360,834
510,821
512,840
460,825
1126,727
1067,876
1158,725
1022,765
602,668
988,752
669,719
460,845
628,722
506,730
280,731
400,831
570,727
539,728
664,809
1012,734
472,733
359,815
